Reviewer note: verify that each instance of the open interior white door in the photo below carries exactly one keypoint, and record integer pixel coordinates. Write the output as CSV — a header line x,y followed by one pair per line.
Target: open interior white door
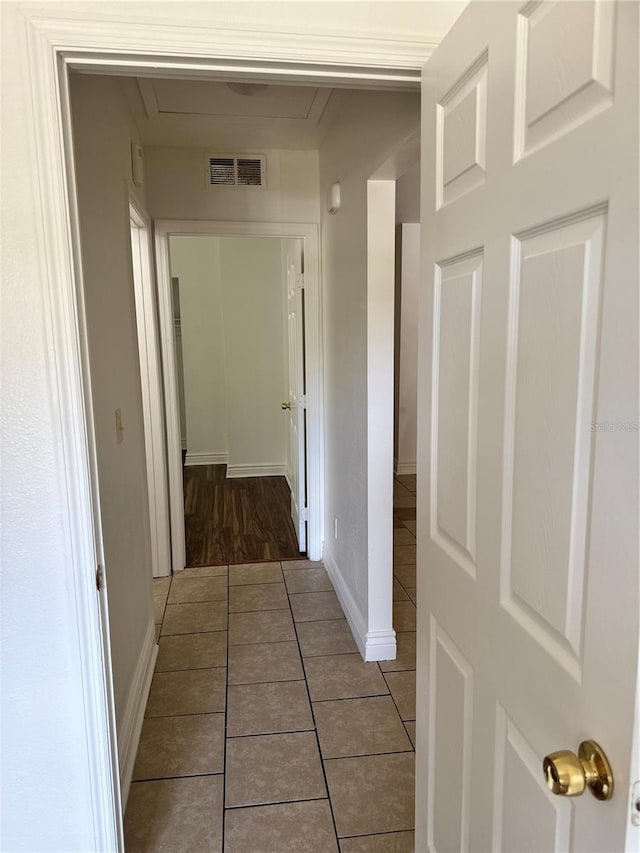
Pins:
x,y
296,403
528,410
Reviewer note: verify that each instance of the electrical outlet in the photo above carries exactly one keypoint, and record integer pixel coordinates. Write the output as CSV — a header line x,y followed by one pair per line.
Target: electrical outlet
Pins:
x,y
335,527
119,427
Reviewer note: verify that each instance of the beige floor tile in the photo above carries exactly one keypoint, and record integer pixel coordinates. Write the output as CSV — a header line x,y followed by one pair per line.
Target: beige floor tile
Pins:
x,y
255,573
302,564
372,794
406,656
175,816
159,604
264,662
273,769
284,828
399,593
409,481
359,727
402,497
201,572
410,524
198,589
332,637
404,555
388,842
412,592
403,689
161,586
195,618
180,746
272,626
402,536
343,677
192,651
404,616
410,726
263,596
315,606
268,708
307,580
198,691
406,575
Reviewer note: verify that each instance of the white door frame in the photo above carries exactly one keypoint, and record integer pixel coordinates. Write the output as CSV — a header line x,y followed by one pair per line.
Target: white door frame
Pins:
x,y
151,383
106,45
164,229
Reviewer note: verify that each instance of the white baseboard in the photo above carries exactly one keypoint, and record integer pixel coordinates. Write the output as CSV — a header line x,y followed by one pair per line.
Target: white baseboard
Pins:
x,y
206,458
129,733
234,471
403,468
373,645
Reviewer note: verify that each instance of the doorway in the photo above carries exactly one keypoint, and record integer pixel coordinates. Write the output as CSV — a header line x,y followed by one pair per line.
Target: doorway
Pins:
x,y
252,420
239,345
151,387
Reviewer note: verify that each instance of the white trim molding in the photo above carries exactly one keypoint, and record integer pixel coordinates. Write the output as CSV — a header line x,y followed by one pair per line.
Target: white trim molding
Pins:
x,y
372,645
404,468
133,716
309,233
206,459
236,471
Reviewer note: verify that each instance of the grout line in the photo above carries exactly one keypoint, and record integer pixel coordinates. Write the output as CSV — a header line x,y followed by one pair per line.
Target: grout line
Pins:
x,y
313,717
258,683
352,698
371,754
369,834
279,803
224,733
187,714
185,776
272,734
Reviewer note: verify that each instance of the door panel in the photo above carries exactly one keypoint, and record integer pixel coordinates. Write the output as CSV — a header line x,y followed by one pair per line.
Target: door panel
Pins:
x,y
527,423
296,428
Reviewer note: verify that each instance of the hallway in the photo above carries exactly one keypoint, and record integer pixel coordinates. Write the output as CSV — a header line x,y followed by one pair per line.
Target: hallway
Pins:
x,y
265,732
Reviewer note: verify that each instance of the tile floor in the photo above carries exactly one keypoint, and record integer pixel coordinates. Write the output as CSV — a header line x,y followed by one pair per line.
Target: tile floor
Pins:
x,y
265,732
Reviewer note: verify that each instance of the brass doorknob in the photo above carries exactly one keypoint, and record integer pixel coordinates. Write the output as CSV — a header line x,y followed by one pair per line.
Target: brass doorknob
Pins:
x,y
568,774
286,405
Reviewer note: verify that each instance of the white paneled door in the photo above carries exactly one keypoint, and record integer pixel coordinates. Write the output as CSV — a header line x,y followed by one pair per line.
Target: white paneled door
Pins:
x,y
528,424
296,402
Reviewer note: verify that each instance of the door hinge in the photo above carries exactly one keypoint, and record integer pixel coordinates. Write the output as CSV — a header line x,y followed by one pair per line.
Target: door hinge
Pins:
x,y
300,280
99,578
302,401
304,515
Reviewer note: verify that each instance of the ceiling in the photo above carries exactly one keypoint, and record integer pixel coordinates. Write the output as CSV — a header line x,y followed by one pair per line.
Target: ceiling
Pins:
x,y
201,112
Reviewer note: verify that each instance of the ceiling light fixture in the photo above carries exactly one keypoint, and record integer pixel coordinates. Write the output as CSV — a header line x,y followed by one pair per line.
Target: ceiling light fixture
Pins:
x,y
248,88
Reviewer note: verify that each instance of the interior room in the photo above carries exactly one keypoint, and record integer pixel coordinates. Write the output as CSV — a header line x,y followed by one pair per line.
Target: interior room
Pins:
x,y
452,661
245,621
232,358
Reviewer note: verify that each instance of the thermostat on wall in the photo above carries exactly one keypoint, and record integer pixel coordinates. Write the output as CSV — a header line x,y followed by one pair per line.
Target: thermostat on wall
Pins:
x,y
137,164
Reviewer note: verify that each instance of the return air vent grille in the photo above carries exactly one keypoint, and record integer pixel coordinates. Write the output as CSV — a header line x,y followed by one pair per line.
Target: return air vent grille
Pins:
x,y
230,171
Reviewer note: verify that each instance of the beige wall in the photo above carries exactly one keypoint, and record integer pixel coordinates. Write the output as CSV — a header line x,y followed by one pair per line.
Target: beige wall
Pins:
x,y
231,297
406,346
176,188
195,261
367,127
103,134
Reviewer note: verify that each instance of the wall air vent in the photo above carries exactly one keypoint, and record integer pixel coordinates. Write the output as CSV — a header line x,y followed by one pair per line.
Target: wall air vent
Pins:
x,y
236,171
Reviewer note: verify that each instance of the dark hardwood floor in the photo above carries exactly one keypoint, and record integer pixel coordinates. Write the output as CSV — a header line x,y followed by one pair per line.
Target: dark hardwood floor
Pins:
x,y
243,520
